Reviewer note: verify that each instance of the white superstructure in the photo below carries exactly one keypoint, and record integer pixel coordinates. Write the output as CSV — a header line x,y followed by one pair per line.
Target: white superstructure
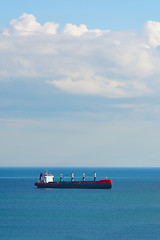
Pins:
x,y
46,178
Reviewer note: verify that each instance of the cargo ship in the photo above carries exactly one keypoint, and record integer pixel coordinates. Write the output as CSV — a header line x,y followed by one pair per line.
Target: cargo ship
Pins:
x,y
47,181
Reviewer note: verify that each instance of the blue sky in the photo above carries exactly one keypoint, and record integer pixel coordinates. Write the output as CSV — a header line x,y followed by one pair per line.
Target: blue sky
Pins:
x,y
115,15
79,83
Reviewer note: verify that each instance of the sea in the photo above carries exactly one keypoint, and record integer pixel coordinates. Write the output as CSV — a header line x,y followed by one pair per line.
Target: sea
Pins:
x,y
128,211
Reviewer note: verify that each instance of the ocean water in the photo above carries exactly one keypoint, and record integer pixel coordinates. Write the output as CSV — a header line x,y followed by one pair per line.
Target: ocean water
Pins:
x,y
130,210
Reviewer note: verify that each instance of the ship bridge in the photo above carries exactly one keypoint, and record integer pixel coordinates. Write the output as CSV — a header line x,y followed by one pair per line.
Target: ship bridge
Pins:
x,y
46,178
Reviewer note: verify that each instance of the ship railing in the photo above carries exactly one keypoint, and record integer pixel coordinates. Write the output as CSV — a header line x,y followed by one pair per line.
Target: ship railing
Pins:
x,y
78,178
41,181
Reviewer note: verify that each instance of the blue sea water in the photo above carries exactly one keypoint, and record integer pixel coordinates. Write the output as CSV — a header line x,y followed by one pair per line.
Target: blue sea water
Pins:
x,y
130,210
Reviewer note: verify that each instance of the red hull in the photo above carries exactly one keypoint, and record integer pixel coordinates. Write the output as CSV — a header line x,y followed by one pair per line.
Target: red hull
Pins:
x,y
77,184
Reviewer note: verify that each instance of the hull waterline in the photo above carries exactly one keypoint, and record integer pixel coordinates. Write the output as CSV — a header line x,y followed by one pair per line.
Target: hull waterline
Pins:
x,y
103,184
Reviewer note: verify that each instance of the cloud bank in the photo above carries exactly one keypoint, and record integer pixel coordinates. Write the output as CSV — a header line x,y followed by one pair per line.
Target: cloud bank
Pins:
x,y
78,60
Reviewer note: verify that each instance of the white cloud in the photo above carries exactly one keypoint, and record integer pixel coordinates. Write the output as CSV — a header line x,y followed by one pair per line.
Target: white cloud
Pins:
x,y
152,30
82,29
102,87
74,30
27,25
79,60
